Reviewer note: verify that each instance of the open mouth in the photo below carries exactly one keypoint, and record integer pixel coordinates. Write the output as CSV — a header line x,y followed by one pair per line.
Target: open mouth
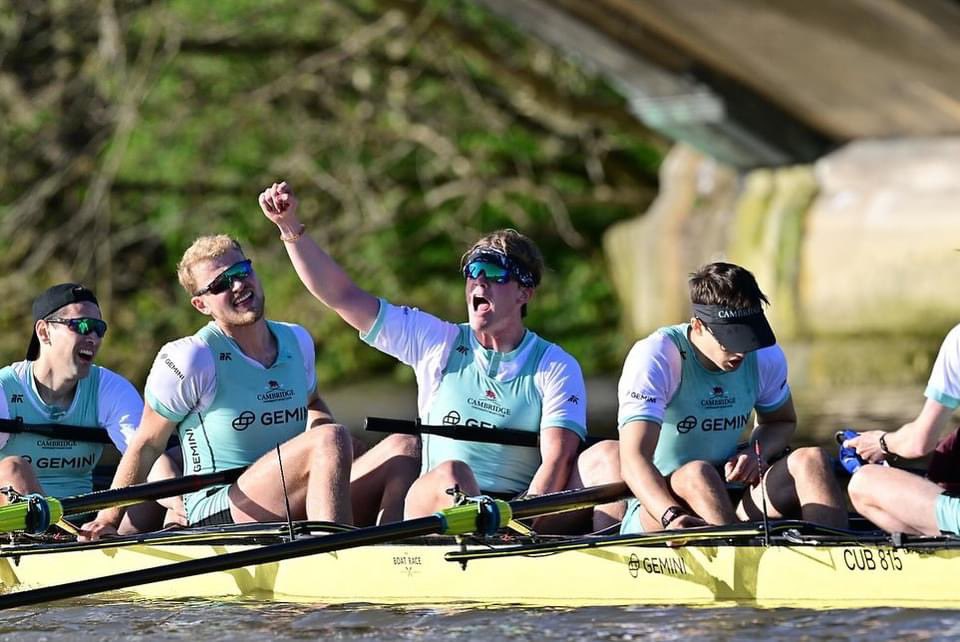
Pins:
x,y
480,304
85,355
243,298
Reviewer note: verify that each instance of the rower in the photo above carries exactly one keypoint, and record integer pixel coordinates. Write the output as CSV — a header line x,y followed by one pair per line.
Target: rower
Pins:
x,y
58,384
490,372
686,395
899,501
242,391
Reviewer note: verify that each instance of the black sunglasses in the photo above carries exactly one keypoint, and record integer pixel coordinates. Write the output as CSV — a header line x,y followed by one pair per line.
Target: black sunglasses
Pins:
x,y
83,325
223,281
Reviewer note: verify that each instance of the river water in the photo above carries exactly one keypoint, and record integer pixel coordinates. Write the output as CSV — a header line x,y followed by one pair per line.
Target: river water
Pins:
x,y
197,621
821,412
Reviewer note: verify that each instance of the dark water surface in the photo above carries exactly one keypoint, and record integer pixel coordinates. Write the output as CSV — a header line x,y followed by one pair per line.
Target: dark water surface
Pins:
x,y
211,622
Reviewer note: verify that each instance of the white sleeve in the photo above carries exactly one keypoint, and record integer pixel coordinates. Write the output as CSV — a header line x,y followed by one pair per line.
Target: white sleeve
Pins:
x,y
563,391
409,334
183,379
944,384
772,370
4,414
308,350
417,339
650,378
119,407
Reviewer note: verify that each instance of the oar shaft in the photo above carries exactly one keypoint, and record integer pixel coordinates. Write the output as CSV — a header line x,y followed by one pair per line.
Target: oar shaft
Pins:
x,y
227,561
93,434
453,521
145,492
503,436
568,500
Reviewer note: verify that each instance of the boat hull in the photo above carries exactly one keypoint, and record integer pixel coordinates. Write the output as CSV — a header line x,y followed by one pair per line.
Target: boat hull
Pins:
x,y
809,576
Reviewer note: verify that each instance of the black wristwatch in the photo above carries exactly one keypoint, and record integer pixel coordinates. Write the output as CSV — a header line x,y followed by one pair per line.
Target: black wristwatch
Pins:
x,y
671,514
886,451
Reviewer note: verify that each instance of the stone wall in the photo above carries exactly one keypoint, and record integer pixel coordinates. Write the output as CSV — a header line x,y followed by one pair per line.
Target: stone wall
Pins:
x,y
857,253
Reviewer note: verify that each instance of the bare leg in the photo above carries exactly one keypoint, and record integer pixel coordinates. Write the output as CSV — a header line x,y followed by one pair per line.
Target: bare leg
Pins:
x,y
802,482
19,474
895,500
381,477
150,516
316,467
698,485
429,493
599,464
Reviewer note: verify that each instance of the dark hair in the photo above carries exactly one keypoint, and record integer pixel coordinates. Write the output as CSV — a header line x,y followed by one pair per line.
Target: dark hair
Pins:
x,y
727,285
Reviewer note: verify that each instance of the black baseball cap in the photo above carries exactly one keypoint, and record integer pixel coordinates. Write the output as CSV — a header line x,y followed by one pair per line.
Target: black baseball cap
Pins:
x,y
52,300
737,329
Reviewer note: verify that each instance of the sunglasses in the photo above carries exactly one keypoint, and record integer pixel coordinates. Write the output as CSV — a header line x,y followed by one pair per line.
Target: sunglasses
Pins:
x,y
83,325
224,280
494,273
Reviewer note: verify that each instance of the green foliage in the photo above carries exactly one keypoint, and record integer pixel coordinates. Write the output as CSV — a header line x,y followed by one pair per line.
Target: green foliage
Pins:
x,y
408,129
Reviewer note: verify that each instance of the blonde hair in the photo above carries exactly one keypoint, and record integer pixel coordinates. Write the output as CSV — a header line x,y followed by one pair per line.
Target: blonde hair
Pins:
x,y
517,246
204,248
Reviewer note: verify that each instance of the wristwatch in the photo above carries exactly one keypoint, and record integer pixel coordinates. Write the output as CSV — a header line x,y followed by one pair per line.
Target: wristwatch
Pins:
x,y
671,514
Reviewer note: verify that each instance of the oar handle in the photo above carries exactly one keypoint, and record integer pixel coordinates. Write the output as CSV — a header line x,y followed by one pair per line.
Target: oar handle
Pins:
x,y
503,436
148,491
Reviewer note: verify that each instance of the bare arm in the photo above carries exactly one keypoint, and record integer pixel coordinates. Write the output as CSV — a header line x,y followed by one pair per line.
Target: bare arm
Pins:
x,y
558,454
318,412
322,276
773,432
913,439
638,441
148,443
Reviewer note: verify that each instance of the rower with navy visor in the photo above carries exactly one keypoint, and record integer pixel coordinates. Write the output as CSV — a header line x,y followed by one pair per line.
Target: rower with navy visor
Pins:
x,y
489,372
689,392
58,384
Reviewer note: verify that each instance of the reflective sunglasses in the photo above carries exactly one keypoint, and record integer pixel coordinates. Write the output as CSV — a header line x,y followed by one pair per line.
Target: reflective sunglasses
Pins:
x,y
494,273
83,325
224,280
497,267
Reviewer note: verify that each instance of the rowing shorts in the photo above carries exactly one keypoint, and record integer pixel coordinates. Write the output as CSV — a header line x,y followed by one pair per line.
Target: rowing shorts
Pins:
x,y
631,520
948,513
212,509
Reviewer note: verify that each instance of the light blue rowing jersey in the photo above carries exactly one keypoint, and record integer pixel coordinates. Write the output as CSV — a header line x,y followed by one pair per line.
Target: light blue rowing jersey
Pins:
x,y
63,467
706,417
252,411
470,396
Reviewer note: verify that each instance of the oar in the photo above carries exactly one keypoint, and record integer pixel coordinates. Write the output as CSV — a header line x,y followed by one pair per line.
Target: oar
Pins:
x,y
459,520
504,436
36,513
94,434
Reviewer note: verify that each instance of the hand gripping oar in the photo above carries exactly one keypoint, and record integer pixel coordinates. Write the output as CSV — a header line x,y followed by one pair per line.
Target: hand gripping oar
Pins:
x,y
94,434
36,513
503,436
483,517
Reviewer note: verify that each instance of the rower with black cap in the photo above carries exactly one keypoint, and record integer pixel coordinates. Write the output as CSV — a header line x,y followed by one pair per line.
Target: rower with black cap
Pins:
x,y
58,384
686,396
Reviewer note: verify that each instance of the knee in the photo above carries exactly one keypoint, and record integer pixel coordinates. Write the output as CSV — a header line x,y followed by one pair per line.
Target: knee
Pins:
x,y
401,445
14,466
330,439
808,462
452,470
862,485
600,463
695,475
